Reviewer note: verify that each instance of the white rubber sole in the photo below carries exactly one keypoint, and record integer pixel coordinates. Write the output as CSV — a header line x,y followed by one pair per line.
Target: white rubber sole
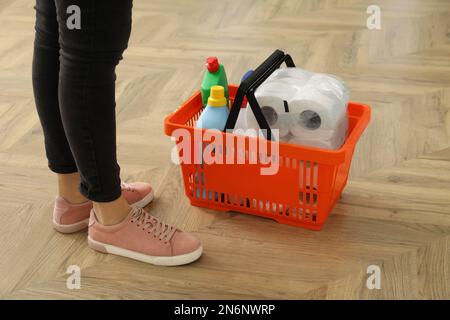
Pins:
x,y
155,260
144,201
71,228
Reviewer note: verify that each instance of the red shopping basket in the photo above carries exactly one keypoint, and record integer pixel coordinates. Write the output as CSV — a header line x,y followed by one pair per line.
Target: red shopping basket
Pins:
x,y
307,184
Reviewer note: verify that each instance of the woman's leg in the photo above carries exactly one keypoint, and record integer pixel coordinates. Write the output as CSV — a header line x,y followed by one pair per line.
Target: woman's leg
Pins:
x,y
90,52
71,207
45,75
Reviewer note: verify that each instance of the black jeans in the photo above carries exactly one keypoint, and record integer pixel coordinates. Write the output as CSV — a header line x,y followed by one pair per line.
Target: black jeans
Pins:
x,y
77,47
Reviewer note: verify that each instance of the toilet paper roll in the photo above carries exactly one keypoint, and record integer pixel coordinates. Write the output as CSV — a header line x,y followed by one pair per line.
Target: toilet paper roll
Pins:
x,y
326,83
316,115
272,108
241,121
331,141
331,86
285,88
331,144
244,130
271,97
292,82
301,76
240,128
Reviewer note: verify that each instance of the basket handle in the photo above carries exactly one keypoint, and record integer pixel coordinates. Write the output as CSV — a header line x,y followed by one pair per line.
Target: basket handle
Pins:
x,y
248,87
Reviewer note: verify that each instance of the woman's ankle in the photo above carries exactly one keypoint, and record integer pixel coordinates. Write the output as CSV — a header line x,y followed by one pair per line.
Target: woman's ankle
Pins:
x,y
113,212
68,184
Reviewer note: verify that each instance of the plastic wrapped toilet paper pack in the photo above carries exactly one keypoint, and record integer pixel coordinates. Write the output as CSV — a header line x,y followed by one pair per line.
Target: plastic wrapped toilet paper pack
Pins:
x,y
307,108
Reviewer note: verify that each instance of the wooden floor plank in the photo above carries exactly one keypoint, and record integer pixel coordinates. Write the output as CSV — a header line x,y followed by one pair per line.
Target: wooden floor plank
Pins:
x,y
394,212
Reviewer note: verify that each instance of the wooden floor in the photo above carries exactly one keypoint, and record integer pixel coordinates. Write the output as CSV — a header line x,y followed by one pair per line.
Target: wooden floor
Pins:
x,y
394,213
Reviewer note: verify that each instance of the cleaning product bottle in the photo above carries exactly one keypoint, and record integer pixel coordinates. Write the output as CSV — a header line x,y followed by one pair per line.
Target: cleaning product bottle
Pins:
x,y
214,116
214,76
216,111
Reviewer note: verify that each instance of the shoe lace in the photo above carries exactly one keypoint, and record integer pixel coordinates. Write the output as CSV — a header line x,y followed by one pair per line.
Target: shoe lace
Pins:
x,y
152,225
126,187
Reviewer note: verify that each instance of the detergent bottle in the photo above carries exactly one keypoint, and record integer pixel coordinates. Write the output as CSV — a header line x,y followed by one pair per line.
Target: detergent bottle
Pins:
x,y
216,111
215,117
214,76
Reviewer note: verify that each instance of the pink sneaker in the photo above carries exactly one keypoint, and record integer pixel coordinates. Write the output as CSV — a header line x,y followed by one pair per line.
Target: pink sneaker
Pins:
x,y
69,218
142,237
137,194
